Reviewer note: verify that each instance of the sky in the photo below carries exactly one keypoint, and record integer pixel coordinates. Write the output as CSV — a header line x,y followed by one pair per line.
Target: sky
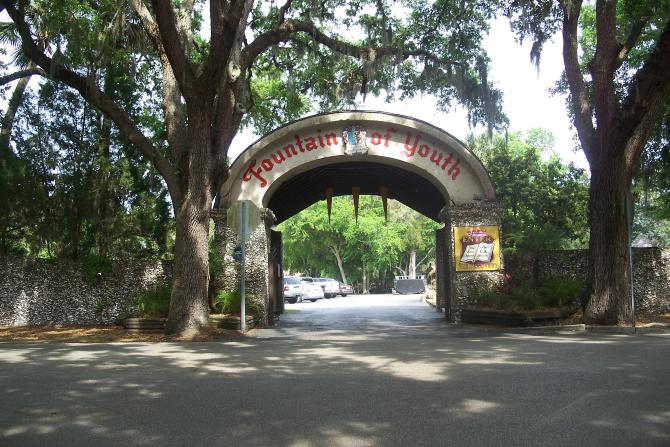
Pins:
x,y
526,98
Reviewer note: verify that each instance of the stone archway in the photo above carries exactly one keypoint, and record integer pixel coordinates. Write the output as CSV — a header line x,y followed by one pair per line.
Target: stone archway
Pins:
x,y
396,156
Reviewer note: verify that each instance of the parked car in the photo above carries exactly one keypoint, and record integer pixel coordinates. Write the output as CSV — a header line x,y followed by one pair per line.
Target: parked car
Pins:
x,y
311,290
292,289
346,289
331,288
297,289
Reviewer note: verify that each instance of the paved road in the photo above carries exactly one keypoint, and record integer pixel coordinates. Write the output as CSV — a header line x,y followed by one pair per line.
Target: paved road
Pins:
x,y
385,371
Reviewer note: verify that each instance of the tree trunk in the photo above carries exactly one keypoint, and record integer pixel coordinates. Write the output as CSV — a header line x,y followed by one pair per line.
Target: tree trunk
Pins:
x,y
609,300
189,309
340,264
412,264
12,107
104,210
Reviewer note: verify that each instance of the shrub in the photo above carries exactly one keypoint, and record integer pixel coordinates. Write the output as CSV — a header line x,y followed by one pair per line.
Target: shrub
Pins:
x,y
550,293
558,292
228,302
154,302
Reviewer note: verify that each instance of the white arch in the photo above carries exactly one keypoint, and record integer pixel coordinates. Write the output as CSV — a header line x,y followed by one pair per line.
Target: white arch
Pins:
x,y
386,138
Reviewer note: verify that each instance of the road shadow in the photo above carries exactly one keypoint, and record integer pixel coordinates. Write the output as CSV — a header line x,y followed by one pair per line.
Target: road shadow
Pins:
x,y
477,388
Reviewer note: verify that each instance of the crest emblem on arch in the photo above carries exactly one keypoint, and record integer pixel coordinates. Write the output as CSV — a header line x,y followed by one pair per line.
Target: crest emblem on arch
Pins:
x,y
354,140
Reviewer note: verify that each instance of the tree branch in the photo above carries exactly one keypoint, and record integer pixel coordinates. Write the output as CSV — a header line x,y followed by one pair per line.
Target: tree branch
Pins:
x,y
175,119
283,10
7,123
631,40
646,96
148,23
173,46
578,95
225,50
93,95
603,67
22,74
288,29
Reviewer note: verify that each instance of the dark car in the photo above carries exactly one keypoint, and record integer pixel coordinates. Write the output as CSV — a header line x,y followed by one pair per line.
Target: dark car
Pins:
x,y
346,289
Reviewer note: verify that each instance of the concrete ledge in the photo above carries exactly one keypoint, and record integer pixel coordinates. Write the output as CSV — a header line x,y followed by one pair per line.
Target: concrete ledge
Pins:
x,y
653,328
509,318
144,324
230,322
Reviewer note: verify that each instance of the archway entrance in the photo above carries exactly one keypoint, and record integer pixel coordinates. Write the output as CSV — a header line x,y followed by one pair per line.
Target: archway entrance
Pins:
x,y
359,152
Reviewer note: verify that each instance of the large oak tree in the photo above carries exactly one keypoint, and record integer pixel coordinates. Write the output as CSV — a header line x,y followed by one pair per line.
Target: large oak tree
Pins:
x,y
315,55
619,84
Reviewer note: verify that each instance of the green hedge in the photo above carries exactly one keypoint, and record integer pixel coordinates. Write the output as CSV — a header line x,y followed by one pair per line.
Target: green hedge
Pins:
x,y
532,295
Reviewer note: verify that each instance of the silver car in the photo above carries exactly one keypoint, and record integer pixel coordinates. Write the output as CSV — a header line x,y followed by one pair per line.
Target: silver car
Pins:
x,y
311,290
330,287
297,289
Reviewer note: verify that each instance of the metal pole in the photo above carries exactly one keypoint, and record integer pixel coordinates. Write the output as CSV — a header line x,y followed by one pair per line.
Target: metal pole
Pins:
x,y
243,236
629,213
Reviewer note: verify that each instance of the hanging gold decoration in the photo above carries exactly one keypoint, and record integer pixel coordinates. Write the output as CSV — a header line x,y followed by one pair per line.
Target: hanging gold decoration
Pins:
x,y
384,192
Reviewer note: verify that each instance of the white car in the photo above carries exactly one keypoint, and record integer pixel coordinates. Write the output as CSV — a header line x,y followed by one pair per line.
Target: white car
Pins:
x,y
292,289
310,290
297,289
330,287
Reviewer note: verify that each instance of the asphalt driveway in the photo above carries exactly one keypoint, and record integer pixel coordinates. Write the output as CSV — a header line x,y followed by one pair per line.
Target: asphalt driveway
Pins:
x,y
378,371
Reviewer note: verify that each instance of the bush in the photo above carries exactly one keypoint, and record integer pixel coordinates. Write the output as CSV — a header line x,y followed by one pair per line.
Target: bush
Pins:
x,y
155,302
230,302
550,293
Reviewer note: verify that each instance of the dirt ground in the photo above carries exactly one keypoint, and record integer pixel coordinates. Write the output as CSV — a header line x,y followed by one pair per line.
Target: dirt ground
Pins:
x,y
99,334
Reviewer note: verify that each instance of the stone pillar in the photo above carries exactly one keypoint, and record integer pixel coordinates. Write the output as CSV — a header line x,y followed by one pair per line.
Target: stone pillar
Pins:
x,y
466,284
256,263
442,266
222,234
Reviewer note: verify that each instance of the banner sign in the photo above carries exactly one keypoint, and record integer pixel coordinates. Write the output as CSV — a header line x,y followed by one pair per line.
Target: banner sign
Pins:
x,y
477,248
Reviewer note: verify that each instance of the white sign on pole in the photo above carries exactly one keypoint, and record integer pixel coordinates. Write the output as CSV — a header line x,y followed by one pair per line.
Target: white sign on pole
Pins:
x,y
252,220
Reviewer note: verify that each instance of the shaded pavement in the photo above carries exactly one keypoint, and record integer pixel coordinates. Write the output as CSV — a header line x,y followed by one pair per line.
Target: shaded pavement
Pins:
x,y
373,372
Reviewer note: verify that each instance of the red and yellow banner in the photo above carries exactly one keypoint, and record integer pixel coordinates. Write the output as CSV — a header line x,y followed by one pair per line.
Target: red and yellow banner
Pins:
x,y
477,248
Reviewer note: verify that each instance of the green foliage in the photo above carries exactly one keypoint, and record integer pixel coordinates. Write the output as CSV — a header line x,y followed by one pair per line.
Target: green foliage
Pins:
x,y
154,302
300,75
532,295
545,201
230,302
76,188
371,247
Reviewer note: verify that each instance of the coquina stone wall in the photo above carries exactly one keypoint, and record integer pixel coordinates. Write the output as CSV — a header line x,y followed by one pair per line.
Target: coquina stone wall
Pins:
x,y
651,272
39,292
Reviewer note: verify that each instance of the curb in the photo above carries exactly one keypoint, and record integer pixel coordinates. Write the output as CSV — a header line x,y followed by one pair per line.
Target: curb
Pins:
x,y
582,328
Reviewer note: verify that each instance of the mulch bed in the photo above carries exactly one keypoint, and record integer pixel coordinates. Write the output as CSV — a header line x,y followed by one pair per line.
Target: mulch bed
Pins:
x,y
100,334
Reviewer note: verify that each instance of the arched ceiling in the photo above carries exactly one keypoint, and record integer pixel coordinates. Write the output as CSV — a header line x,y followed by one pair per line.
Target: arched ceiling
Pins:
x,y
309,187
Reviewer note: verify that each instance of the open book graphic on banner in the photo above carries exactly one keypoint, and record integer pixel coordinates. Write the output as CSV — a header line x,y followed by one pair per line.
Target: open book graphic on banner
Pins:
x,y
482,252
477,248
